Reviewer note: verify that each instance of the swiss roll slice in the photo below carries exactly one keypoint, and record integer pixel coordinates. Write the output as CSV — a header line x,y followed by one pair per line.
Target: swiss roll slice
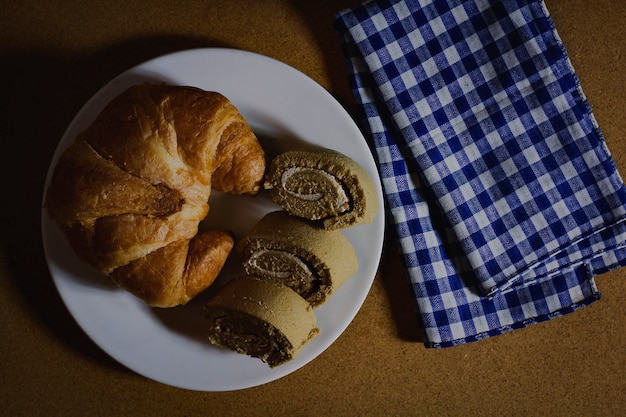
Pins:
x,y
260,318
322,185
309,259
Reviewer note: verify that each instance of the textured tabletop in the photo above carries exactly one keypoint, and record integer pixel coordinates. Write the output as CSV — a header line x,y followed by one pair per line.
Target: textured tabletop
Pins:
x,y
55,55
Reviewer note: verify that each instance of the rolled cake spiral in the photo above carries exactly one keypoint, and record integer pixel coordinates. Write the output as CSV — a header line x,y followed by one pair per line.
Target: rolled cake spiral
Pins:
x,y
260,318
311,260
322,185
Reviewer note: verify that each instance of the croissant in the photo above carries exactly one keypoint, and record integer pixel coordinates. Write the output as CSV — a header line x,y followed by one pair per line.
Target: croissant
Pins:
x,y
132,189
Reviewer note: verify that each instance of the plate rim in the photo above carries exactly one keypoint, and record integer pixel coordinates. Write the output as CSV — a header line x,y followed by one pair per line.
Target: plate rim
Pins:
x,y
65,141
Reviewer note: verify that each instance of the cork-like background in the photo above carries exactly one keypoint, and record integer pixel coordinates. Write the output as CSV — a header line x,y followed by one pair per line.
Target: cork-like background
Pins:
x,y
55,54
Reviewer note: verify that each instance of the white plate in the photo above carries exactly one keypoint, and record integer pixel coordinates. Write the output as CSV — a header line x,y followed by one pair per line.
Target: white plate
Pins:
x,y
287,110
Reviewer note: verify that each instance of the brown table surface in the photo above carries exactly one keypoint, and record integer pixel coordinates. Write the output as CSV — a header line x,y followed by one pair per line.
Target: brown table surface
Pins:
x,y
55,54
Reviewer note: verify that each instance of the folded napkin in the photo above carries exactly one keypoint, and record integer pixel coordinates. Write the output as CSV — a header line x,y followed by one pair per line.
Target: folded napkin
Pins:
x,y
504,196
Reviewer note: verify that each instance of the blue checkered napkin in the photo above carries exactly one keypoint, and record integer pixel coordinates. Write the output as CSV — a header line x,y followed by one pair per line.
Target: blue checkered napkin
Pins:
x,y
505,199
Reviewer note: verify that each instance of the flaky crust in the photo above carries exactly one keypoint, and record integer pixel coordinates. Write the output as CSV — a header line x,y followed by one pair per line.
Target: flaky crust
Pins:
x,y
130,192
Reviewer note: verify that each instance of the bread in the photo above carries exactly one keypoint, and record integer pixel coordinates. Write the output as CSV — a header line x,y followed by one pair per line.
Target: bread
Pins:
x,y
322,185
311,260
130,192
263,319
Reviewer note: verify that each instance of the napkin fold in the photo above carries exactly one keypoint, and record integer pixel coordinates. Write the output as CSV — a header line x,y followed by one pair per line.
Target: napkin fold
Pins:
x,y
504,196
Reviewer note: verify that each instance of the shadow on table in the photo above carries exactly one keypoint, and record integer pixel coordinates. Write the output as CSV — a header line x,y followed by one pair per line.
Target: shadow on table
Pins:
x,y
41,94
395,281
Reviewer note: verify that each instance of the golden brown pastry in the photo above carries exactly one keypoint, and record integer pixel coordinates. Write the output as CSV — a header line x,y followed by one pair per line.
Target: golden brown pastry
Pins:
x,y
261,318
130,192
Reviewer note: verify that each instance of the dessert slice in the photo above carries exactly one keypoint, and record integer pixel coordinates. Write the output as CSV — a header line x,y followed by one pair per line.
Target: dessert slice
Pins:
x,y
322,185
261,318
311,260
